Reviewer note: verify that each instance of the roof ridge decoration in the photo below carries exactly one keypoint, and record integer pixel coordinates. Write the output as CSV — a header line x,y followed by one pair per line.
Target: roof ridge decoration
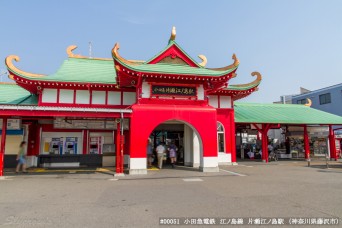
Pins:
x,y
309,102
202,57
174,51
9,63
115,54
173,33
204,60
256,81
234,65
77,56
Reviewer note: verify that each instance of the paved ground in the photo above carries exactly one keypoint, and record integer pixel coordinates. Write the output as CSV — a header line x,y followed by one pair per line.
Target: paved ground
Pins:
x,y
94,198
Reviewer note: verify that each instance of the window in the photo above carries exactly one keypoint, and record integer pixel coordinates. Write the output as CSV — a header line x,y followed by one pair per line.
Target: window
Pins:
x,y
301,101
325,98
220,137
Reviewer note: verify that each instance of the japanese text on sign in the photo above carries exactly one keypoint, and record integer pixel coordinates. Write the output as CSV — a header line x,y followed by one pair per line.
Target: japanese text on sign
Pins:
x,y
173,90
249,221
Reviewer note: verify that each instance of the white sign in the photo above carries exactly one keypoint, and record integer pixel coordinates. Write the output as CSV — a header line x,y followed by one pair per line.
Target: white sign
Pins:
x,y
12,124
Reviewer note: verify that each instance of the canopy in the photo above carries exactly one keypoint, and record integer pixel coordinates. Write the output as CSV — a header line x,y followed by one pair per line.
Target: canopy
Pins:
x,y
282,114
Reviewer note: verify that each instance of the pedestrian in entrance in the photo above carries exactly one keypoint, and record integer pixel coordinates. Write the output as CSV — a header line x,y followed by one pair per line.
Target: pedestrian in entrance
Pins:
x,y
160,154
21,158
173,154
149,153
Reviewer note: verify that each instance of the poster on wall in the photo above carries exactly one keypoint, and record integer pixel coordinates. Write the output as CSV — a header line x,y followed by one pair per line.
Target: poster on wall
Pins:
x,y
12,124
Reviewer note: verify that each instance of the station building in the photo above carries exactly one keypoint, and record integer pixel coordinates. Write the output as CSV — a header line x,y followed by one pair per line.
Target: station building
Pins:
x,y
98,112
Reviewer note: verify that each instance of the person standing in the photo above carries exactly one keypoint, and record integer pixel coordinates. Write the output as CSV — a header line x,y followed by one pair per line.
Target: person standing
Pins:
x,y
149,153
21,158
160,154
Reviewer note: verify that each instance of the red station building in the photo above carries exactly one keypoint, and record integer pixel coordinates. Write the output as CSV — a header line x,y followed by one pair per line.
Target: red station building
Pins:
x,y
97,111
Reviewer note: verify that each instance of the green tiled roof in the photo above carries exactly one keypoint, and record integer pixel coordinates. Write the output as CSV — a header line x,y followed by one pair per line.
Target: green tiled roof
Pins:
x,y
13,94
84,71
282,114
179,69
176,69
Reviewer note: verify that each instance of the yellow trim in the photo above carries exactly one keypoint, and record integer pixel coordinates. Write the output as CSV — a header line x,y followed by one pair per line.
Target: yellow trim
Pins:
x,y
257,80
11,67
76,56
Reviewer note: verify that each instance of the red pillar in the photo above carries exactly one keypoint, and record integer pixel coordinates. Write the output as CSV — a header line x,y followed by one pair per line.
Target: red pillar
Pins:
x,y
264,140
332,144
119,150
122,151
306,143
3,145
85,141
233,138
264,146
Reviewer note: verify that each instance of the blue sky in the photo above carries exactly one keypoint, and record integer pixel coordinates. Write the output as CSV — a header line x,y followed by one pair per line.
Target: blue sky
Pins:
x,y
292,43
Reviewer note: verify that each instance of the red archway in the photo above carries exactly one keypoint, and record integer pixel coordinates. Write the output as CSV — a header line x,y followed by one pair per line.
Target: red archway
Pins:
x,y
146,118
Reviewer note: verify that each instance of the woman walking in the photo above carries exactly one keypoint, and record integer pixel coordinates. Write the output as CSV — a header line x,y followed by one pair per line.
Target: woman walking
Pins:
x,y
172,153
21,158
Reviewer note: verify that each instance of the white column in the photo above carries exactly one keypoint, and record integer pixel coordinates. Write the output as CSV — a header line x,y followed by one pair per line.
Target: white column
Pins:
x,y
187,146
196,150
209,164
137,166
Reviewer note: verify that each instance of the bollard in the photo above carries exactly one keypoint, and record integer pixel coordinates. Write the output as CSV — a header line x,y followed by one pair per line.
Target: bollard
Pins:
x,y
309,160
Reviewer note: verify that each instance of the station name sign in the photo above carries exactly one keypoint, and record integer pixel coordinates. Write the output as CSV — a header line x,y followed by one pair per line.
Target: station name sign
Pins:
x,y
173,90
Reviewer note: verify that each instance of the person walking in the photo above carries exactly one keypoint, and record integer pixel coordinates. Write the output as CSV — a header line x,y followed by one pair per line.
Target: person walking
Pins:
x,y
21,158
173,154
160,154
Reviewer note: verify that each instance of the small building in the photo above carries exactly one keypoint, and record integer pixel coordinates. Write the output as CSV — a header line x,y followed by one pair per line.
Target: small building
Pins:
x,y
327,99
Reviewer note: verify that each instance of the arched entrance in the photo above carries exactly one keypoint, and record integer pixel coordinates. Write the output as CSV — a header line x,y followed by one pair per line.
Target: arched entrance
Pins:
x,y
201,120
184,137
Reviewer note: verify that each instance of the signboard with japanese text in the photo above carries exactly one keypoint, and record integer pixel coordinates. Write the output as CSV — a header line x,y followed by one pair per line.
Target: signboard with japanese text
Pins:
x,y
183,91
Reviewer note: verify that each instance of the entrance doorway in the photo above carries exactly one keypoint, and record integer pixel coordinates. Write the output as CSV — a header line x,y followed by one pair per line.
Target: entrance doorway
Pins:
x,y
186,140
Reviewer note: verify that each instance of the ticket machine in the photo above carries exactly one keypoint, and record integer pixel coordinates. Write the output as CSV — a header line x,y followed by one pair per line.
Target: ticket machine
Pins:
x,y
70,145
95,145
56,146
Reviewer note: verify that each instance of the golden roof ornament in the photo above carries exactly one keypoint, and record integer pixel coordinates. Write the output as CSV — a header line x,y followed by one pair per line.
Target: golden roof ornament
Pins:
x,y
309,102
11,67
72,55
173,33
204,60
236,60
256,81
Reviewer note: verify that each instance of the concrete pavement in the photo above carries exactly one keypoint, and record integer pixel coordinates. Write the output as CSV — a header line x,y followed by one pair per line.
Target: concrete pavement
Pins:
x,y
97,199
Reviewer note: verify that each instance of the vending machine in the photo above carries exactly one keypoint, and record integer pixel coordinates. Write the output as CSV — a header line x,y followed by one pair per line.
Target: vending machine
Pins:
x,y
70,145
56,146
95,145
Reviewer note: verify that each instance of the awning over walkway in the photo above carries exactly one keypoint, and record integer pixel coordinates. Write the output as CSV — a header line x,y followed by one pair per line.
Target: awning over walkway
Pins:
x,y
282,114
